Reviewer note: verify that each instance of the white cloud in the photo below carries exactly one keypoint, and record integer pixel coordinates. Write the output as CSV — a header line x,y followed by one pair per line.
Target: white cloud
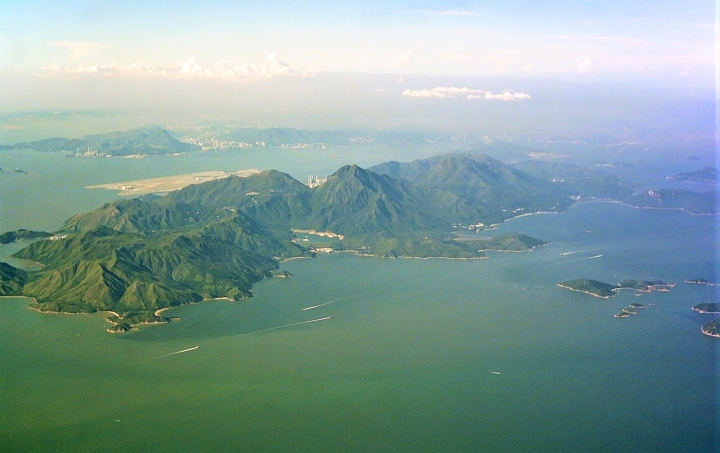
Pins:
x,y
464,92
506,96
234,70
278,67
585,65
441,92
191,68
399,80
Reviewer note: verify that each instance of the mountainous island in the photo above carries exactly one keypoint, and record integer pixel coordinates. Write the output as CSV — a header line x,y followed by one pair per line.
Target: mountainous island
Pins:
x,y
578,182
216,239
704,175
149,140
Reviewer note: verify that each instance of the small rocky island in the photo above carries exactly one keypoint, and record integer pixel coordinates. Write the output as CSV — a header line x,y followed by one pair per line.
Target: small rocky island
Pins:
x,y
592,287
712,328
707,307
605,290
631,309
125,322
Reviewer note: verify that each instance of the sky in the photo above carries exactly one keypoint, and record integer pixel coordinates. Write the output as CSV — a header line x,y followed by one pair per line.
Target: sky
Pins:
x,y
220,54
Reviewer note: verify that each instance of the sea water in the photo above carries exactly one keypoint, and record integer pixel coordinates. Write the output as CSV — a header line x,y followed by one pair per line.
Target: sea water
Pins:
x,y
403,354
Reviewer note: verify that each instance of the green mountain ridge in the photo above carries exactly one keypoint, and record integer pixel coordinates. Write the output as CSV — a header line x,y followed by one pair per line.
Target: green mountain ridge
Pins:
x,y
578,180
218,238
107,269
496,190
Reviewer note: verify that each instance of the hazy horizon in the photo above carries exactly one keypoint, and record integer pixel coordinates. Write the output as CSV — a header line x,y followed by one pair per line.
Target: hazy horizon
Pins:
x,y
627,111
642,71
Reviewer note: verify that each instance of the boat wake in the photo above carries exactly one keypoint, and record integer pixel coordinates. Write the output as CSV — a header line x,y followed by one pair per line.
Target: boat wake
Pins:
x,y
366,295
318,306
590,257
570,253
289,325
178,352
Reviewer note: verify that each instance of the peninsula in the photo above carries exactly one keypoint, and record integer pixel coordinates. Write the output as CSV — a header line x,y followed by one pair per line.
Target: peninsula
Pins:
x,y
149,140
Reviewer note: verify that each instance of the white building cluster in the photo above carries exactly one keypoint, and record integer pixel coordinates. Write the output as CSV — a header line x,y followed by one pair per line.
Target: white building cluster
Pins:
x,y
315,181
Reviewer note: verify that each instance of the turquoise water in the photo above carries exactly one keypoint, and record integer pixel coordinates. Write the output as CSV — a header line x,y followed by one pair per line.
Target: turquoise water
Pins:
x,y
417,355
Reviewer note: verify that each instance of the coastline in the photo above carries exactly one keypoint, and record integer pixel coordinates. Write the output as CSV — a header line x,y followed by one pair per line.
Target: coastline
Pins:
x,y
529,249
646,207
357,253
705,283
705,312
19,297
586,292
709,334
493,226
295,258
